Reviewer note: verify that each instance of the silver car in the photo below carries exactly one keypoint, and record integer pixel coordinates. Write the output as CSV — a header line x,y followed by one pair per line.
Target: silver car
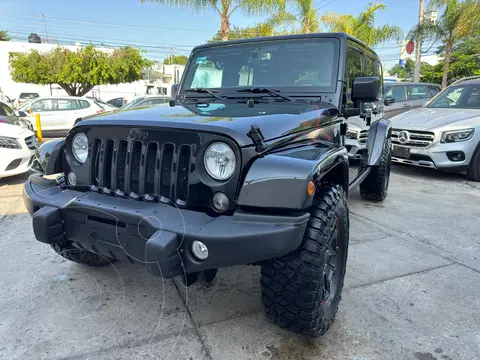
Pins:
x,y
444,134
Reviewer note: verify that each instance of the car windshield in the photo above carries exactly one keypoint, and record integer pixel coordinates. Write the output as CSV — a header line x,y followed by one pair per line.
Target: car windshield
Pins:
x,y
465,96
305,66
132,103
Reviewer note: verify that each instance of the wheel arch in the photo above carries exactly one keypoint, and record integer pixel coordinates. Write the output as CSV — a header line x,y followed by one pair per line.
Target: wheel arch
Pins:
x,y
280,180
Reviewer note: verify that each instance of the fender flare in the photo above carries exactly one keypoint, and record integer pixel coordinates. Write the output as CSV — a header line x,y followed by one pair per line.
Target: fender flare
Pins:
x,y
378,133
280,182
48,157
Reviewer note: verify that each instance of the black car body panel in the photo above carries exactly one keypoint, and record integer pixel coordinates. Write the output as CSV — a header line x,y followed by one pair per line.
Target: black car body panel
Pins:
x,y
378,134
144,193
49,157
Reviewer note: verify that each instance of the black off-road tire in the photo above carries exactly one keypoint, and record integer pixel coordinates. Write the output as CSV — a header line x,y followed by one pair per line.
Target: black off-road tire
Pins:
x,y
375,186
473,172
301,291
81,256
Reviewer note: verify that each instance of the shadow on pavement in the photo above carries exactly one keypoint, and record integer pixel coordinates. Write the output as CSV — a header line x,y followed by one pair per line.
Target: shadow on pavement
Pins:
x,y
14,180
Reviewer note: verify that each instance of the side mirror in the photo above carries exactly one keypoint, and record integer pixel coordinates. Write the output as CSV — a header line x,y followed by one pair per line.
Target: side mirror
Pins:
x,y
366,89
389,100
22,113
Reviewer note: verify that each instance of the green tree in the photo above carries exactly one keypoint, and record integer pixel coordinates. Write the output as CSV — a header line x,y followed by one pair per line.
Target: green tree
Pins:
x,y
225,8
4,35
304,15
403,72
236,33
431,73
363,26
77,72
176,59
458,21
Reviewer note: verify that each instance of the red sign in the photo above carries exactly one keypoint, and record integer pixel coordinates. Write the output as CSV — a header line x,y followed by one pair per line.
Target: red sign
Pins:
x,y
410,47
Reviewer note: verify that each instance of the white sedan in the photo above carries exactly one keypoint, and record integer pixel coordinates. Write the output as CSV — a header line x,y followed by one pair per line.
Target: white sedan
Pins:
x,y
17,147
58,114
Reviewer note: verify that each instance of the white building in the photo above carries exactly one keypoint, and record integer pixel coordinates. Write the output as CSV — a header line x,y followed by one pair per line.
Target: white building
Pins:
x,y
156,81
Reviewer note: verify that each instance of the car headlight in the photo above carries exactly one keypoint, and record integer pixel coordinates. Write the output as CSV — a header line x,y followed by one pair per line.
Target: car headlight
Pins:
x,y
457,135
352,134
219,161
80,147
9,143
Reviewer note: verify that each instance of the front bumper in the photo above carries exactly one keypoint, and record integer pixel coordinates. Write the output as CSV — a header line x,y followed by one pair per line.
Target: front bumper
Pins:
x,y
435,156
21,158
158,235
356,150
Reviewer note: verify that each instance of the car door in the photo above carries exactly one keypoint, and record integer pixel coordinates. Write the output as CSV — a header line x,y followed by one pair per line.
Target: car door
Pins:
x,y
418,95
401,103
67,111
45,108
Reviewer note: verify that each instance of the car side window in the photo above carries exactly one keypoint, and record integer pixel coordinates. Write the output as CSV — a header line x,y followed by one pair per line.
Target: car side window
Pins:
x,y
42,105
6,110
65,105
2,110
433,90
354,70
369,68
399,93
83,104
418,92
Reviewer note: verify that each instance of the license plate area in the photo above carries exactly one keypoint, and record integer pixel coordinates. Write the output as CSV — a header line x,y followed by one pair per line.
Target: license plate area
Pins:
x,y
401,152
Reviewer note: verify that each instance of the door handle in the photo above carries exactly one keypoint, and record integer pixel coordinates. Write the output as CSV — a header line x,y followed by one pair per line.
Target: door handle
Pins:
x,y
406,105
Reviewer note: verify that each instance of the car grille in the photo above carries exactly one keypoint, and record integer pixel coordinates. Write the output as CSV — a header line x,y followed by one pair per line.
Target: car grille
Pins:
x,y
31,142
417,139
363,137
142,169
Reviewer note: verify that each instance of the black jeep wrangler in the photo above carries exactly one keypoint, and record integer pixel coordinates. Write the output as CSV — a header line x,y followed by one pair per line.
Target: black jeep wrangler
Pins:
x,y
246,165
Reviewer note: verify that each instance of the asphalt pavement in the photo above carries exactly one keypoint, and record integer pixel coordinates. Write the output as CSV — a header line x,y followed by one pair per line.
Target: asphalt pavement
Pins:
x,y
412,291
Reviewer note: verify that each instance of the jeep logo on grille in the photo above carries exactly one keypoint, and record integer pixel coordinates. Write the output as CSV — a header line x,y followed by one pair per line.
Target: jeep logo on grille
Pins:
x,y
138,135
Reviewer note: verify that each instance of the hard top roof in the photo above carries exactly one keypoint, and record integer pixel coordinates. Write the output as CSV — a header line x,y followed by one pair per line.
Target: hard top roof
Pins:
x,y
341,36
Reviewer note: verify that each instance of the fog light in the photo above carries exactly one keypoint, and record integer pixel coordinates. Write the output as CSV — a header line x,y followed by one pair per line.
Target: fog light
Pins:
x,y
220,202
199,250
72,179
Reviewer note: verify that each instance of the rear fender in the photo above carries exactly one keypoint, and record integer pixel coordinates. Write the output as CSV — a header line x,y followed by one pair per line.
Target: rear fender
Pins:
x,y
378,133
280,180
48,157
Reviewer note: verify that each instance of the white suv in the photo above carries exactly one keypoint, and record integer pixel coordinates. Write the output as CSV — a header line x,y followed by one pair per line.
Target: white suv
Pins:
x,y
58,114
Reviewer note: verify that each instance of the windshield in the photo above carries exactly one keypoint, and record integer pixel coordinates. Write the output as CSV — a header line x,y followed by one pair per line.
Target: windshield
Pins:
x,y
462,96
132,103
299,66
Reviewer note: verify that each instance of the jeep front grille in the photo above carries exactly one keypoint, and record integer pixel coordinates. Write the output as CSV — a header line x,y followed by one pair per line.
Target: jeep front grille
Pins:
x,y
136,168
417,139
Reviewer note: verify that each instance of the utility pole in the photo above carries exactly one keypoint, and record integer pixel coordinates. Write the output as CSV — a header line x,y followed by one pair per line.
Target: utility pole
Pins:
x,y
45,26
418,45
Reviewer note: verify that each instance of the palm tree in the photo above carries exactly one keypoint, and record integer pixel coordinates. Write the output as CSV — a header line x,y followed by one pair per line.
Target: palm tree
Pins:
x,y
362,26
4,35
459,20
304,13
225,8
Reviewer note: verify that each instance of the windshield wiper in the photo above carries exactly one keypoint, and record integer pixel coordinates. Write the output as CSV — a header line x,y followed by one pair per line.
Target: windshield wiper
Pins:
x,y
266,91
213,93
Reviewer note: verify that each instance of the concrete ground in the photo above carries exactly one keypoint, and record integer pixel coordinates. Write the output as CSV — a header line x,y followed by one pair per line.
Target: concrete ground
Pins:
x,y
412,291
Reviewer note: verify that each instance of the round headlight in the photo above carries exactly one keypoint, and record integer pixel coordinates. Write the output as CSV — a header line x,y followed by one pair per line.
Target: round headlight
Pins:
x,y
80,147
219,161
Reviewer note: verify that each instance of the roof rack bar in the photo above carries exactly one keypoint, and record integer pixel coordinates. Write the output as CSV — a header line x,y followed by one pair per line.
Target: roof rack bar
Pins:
x,y
465,79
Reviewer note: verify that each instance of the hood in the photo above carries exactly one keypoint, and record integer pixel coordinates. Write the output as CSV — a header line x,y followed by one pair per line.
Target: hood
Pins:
x,y
429,119
356,123
14,131
234,119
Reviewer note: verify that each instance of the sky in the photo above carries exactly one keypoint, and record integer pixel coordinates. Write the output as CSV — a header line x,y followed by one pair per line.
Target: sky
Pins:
x,y
157,28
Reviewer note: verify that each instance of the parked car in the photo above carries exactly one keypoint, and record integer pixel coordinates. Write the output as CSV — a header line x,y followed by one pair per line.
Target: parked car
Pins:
x,y
8,116
404,96
24,98
145,101
105,105
398,97
117,102
231,172
445,133
58,114
17,147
